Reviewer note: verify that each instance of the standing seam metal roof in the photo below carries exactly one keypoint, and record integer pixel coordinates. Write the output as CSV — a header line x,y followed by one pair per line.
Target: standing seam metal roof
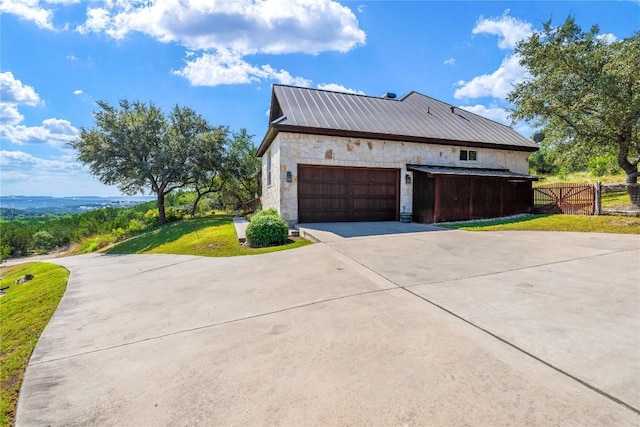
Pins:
x,y
413,116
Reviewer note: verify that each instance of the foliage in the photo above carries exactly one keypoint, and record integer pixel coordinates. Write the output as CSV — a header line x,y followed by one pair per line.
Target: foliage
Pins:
x,y
15,238
171,215
603,165
543,161
265,212
25,310
578,177
42,240
267,230
208,157
138,148
584,93
46,233
243,169
213,236
576,223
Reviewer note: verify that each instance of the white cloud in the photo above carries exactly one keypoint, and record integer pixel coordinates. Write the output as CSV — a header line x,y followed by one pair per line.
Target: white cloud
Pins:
x,y
55,132
335,87
508,29
13,91
9,114
28,10
450,61
26,174
497,84
226,67
608,38
497,114
17,161
246,26
98,19
78,92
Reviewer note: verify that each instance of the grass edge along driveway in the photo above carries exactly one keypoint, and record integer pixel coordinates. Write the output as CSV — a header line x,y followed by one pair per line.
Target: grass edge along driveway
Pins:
x,y
213,236
575,223
25,311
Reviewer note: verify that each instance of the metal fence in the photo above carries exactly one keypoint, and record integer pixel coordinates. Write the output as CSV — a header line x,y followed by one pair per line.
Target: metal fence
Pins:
x,y
574,199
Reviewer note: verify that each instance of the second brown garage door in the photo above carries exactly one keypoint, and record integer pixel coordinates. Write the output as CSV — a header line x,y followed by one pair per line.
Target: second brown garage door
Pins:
x,y
327,194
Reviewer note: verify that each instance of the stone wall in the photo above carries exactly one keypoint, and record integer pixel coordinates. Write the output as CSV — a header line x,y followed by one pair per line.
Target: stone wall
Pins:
x,y
271,192
290,149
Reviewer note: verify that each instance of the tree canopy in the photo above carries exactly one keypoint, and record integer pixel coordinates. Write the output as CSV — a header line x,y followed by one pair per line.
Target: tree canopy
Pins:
x,y
583,93
138,148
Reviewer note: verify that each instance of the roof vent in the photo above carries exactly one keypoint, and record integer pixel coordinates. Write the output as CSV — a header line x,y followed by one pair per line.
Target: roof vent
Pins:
x,y
452,108
389,95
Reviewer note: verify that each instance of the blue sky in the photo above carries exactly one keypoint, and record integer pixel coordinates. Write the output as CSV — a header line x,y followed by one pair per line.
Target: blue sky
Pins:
x,y
57,57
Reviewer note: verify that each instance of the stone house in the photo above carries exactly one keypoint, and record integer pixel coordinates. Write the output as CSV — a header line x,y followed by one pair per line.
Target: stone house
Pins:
x,y
331,156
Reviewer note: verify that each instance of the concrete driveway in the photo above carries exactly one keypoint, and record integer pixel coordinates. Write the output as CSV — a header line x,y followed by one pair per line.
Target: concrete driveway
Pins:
x,y
424,327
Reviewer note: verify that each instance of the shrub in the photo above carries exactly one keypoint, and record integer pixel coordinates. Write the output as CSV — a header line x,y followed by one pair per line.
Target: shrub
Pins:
x,y
607,164
267,212
136,226
170,215
267,230
16,237
42,240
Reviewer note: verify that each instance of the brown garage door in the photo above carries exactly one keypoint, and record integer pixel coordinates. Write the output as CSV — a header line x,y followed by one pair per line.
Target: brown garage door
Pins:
x,y
327,194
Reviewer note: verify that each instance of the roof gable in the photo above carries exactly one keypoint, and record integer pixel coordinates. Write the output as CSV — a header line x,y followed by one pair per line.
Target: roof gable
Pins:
x,y
412,117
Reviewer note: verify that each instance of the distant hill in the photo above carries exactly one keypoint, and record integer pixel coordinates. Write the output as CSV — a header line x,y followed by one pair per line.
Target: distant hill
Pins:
x,y
27,205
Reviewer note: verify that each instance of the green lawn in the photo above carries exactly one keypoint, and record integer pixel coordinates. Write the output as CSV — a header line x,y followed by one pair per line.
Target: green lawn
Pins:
x,y
213,236
581,223
25,310
580,178
616,198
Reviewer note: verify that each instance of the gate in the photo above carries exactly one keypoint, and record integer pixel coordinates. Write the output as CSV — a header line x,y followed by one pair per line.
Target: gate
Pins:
x,y
574,199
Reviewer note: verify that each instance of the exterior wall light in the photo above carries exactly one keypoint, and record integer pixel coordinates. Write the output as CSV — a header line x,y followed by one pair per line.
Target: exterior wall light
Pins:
x,y
289,176
407,179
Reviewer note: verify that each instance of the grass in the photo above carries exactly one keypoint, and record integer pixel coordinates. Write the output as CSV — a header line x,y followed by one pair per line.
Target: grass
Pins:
x,y
615,198
577,223
213,236
580,178
25,310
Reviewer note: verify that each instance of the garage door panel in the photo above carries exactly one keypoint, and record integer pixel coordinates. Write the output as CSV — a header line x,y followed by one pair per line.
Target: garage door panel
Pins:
x,y
325,203
347,194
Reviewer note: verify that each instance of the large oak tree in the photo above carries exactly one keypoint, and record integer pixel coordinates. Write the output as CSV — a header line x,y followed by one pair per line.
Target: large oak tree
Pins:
x,y
584,91
136,147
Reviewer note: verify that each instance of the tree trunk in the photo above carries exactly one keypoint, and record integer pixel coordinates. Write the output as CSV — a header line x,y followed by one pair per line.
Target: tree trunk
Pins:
x,y
160,204
194,208
631,169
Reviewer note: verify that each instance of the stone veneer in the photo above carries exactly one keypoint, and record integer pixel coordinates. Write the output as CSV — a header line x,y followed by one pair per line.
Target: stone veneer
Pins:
x,y
290,149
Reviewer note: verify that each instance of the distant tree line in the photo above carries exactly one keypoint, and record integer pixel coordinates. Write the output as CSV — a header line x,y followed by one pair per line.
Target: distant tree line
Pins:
x,y
21,236
23,233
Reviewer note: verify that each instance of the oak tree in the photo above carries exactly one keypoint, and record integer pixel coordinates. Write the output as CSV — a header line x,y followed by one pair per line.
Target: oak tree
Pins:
x,y
136,147
583,90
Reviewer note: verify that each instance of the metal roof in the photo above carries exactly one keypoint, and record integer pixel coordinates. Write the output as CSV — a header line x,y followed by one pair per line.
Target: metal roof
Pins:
x,y
484,172
413,117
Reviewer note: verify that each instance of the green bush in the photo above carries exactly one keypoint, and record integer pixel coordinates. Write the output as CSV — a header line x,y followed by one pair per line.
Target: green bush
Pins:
x,y
16,237
42,240
170,215
267,212
267,230
607,164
